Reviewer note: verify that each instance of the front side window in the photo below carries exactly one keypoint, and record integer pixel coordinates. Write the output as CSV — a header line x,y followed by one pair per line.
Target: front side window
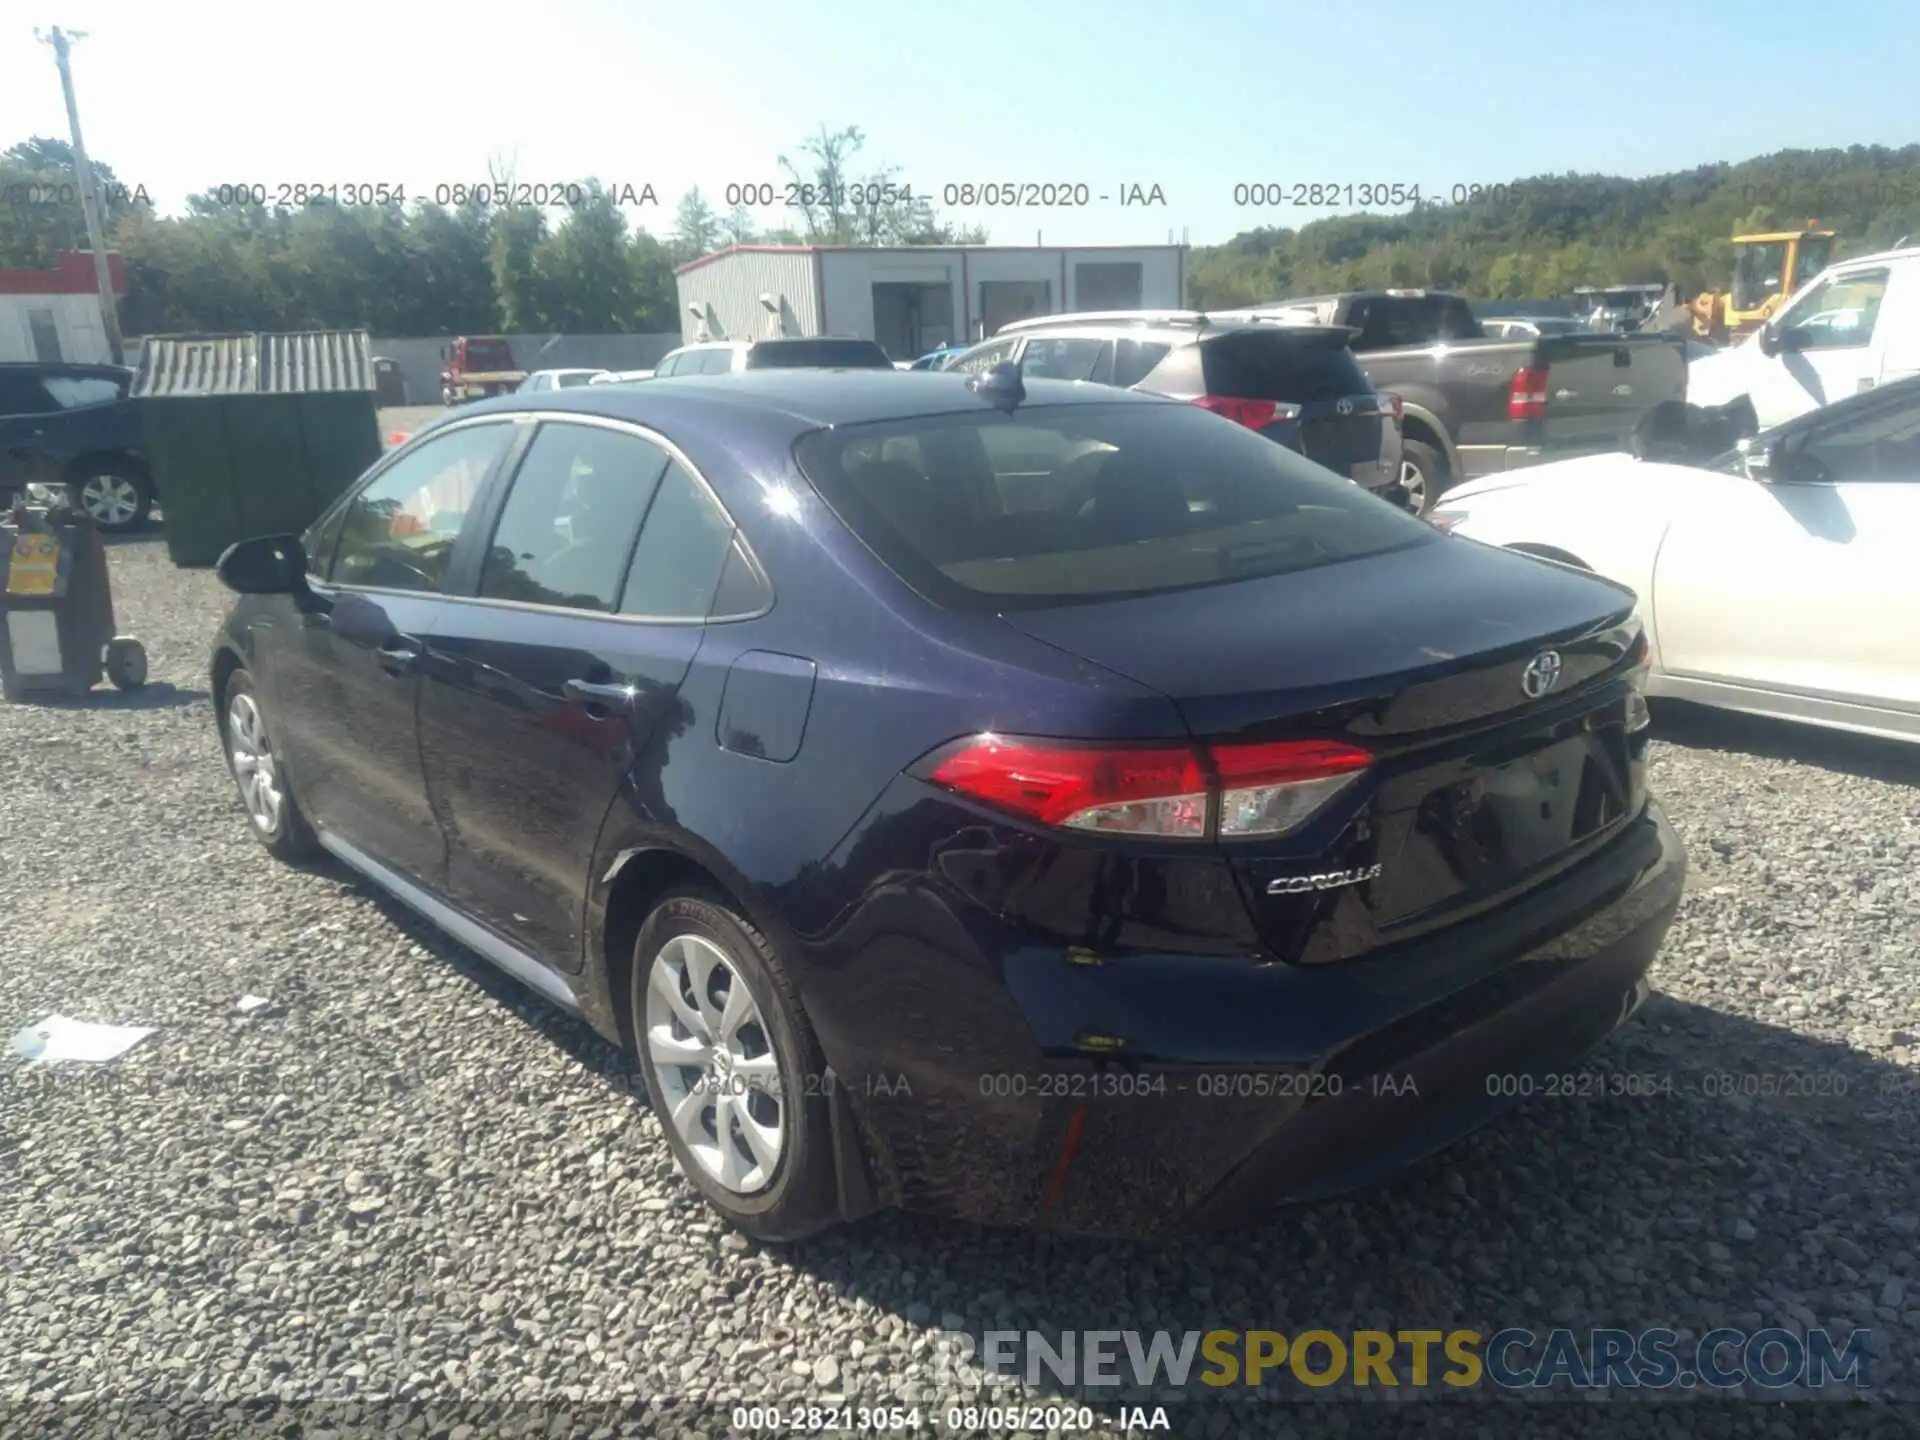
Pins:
x,y
717,362
1135,499
1882,444
567,528
683,548
669,365
1839,314
398,533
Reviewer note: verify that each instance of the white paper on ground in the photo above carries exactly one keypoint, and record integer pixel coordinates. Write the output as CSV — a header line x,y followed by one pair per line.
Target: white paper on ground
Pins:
x,y
250,1003
58,1038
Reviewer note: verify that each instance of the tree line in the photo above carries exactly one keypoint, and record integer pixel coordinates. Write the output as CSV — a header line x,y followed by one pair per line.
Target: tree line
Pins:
x,y
421,268
416,267
1539,237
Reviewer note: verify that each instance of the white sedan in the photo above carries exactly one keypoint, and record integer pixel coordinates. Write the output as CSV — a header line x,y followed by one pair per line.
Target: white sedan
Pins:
x,y
1781,579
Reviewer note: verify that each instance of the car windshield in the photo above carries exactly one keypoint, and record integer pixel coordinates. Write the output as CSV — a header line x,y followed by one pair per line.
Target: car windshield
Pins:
x,y
574,377
488,355
1052,505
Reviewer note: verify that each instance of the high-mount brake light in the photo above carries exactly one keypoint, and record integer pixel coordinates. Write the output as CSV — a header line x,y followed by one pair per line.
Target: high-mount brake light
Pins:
x,y
1176,792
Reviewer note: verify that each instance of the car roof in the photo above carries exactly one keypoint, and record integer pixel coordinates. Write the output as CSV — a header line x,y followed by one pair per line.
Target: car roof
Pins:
x,y
808,398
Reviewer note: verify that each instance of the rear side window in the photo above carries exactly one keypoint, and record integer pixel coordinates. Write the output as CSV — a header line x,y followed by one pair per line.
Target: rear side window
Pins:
x,y
567,528
1385,321
683,548
74,391
1275,365
1133,360
1134,499
669,365
818,354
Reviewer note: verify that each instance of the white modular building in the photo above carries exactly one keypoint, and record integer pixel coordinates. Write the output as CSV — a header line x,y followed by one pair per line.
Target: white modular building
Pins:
x,y
912,299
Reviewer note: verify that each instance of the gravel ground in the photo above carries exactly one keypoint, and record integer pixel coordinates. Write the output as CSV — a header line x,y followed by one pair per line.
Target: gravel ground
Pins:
x,y
409,1178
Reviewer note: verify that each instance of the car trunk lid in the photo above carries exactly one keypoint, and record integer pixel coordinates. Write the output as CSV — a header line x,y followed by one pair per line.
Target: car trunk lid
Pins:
x,y
1478,786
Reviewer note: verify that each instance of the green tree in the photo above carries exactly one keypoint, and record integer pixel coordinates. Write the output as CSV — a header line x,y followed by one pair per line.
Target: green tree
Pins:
x,y
696,229
583,269
515,237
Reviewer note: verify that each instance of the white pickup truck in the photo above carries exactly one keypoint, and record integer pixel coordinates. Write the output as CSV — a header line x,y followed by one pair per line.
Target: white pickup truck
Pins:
x,y
1853,327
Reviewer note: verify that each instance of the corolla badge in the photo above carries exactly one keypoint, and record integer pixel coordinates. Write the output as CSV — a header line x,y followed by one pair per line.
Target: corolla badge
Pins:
x,y
1328,880
1541,675
1343,407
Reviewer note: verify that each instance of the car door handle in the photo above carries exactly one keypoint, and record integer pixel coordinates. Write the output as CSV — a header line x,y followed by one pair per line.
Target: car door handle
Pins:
x,y
398,655
596,692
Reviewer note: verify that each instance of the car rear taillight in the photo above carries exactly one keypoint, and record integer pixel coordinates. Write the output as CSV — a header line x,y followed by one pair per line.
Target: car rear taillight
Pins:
x,y
1640,666
1254,414
1271,789
1527,394
1396,404
1177,792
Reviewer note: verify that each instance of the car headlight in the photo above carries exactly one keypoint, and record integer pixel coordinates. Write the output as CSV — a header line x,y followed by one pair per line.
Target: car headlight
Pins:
x,y
1446,520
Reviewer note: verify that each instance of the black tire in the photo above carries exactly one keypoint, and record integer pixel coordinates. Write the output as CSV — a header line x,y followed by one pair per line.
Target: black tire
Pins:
x,y
289,837
116,494
801,1198
1432,476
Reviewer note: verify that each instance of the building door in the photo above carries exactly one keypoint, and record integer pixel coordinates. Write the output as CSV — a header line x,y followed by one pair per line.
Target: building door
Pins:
x,y
1004,301
910,317
46,336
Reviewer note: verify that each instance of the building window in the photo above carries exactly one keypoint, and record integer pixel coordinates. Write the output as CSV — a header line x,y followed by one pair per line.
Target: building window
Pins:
x,y
1107,285
46,336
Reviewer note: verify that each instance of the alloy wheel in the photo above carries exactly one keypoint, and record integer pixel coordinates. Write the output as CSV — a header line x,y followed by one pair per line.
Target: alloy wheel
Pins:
x,y
712,1052
110,499
1413,487
253,762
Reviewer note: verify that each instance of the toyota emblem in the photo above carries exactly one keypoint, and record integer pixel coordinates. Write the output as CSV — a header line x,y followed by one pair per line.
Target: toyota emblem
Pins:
x,y
1344,407
1541,675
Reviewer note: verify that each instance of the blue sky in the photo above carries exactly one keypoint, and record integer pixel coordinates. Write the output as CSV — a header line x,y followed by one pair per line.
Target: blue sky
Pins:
x,y
1194,98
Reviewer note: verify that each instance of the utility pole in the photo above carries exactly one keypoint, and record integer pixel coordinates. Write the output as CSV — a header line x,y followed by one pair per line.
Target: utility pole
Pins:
x,y
61,40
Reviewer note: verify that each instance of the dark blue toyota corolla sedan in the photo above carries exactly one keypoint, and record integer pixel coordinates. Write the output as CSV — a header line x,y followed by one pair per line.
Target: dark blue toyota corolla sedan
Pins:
x,y
1048,804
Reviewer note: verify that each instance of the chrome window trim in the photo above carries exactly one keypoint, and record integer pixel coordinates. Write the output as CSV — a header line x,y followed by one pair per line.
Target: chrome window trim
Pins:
x,y
644,432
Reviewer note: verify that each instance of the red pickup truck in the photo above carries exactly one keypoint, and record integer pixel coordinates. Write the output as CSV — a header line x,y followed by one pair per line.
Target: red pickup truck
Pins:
x,y
476,367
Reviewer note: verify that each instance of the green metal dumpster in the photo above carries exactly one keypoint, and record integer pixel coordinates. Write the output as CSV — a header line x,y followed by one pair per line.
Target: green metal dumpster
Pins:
x,y
253,434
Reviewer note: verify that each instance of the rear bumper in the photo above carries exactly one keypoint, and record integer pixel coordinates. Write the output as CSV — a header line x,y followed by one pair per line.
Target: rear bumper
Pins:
x,y
1306,1081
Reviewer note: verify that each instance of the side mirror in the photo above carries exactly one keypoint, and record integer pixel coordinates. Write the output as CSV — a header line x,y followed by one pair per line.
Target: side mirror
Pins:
x,y
1769,341
265,565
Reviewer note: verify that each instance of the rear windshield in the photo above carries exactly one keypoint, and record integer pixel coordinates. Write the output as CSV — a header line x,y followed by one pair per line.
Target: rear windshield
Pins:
x,y
489,355
1274,365
818,354
1058,504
